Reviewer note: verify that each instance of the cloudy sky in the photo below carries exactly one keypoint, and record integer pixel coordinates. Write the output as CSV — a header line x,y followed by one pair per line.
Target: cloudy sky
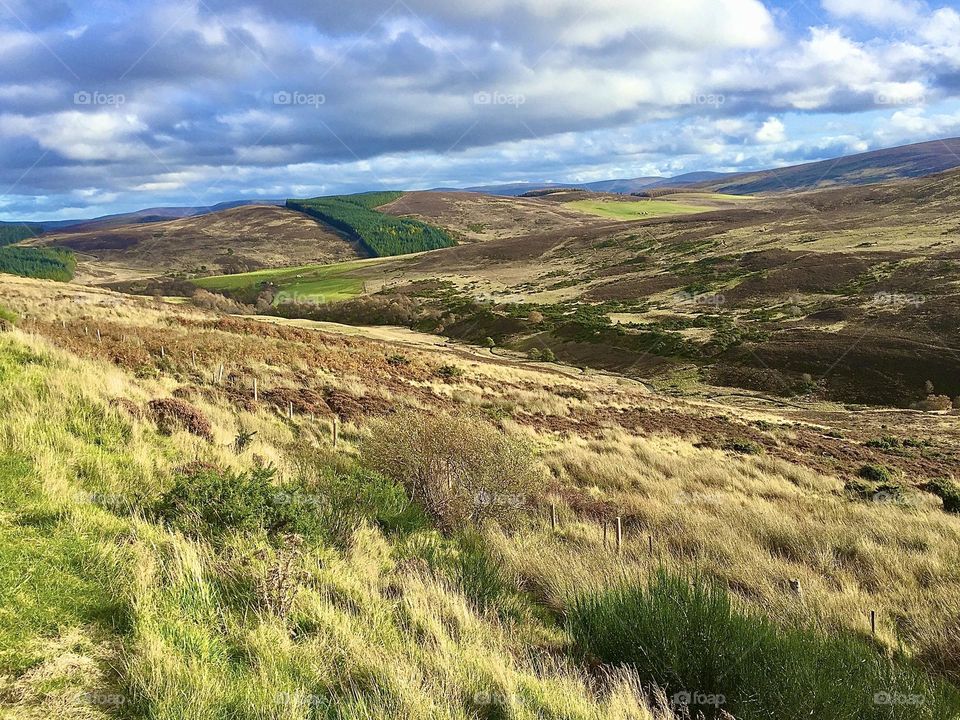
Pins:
x,y
113,105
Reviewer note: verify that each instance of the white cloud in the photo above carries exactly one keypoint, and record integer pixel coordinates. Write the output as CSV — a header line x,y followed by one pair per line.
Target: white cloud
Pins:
x,y
772,131
875,12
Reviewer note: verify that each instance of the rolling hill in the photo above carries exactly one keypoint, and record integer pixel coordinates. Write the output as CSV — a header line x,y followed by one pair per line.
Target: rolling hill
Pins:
x,y
238,239
908,161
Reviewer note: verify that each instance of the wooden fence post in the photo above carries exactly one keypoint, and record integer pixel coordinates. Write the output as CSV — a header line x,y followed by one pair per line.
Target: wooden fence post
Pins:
x,y
336,431
553,516
256,391
873,622
290,411
619,534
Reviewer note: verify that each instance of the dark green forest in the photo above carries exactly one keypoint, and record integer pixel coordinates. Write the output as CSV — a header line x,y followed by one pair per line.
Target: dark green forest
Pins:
x,y
380,234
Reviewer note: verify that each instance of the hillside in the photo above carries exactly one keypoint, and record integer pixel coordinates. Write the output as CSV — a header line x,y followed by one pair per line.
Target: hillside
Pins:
x,y
182,542
908,161
233,240
844,294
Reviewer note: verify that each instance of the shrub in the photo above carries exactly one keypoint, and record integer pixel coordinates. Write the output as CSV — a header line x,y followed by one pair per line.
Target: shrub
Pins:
x,y
171,414
8,319
934,402
549,356
459,468
208,501
874,473
449,372
743,447
947,491
689,639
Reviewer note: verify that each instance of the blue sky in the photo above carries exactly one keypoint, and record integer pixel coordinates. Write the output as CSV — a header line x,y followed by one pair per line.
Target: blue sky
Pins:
x,y
110,106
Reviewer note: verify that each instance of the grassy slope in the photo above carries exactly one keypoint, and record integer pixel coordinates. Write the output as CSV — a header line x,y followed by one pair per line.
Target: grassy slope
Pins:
x,y
635,210
370,635
370,629
330,282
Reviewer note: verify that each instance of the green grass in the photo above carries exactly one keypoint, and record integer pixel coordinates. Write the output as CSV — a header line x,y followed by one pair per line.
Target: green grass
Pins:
x,y
635,210
303,283
690,639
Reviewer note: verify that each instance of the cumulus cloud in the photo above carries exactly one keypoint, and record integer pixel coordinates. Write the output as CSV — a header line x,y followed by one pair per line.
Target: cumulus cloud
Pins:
x,y
281,97
877,12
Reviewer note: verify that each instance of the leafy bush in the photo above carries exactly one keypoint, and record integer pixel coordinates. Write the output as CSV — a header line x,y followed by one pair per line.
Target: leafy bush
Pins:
x,y
874,473
949,492
934,403
689,639
381,234
743,447
459,468
448,372
208,501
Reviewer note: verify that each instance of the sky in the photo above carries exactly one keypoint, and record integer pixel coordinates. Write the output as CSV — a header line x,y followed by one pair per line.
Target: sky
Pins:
x,y
110,106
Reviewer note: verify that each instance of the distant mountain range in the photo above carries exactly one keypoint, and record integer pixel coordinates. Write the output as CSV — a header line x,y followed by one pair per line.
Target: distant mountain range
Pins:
x,y
147,215
907,161
619,186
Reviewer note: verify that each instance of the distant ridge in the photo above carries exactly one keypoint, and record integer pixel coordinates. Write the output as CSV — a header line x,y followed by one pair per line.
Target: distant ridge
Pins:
x,y
906,161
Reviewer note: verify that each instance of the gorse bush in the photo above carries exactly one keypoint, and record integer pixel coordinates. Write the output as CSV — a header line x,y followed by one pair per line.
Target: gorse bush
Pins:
x,y
689,639
326,502
459,468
